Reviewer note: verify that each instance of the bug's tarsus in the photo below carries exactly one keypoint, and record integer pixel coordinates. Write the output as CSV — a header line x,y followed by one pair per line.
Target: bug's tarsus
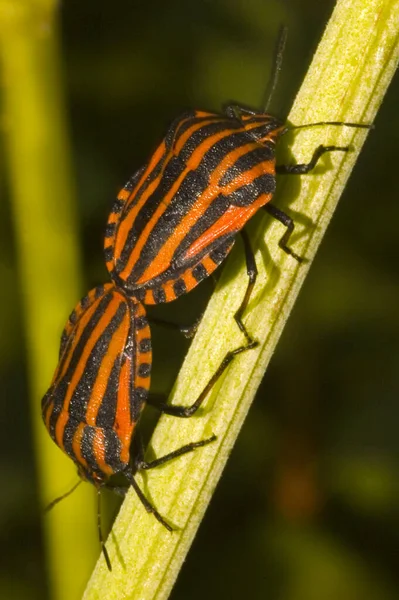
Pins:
x,y
188,331
286,220
303,168
100,533
276,68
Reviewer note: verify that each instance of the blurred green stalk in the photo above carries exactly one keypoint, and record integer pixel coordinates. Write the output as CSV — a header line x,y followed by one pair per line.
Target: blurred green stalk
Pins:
x,y
48,260
347,80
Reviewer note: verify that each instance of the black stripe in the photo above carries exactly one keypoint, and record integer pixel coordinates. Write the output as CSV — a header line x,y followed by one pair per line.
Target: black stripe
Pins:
x,y
82,392
138,399
145,345
63,343
260,153
172,172
190,120
87,448
86,301
117,206
99,291
176,128
61,386
140,322
69,432
129,185
84,336
179,287
199,272
138,192
213,213
109,253
219,254
113,449
175,167
46,400
191,188
159,295
110,230
247,194
144,370
73,317
107,411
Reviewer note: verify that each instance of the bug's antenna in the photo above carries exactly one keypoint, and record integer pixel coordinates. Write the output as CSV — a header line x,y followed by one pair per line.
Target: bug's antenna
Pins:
x,y
337,123
277,64
54,502
100,533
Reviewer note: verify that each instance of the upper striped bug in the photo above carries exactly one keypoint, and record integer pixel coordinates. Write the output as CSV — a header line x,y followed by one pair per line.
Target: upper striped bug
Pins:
x,y
177,218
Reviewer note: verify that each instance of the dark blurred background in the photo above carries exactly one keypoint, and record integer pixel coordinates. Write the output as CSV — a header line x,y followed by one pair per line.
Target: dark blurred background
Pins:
x,y
308,507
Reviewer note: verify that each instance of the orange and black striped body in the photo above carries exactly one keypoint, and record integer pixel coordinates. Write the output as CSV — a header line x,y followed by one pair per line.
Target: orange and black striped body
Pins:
x,y
101,382
176,219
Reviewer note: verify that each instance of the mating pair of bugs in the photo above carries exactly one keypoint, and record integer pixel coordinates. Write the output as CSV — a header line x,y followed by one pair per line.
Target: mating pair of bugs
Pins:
x,y
171,226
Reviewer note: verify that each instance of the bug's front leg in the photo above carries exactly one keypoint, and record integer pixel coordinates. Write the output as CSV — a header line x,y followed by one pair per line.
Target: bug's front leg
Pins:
x,y
304,168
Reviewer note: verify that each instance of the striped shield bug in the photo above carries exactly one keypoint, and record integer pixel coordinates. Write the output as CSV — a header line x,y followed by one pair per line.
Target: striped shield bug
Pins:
x,y
99,389
177,218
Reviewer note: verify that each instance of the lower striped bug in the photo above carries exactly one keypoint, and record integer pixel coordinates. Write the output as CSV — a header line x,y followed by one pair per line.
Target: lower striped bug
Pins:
x,y
99,389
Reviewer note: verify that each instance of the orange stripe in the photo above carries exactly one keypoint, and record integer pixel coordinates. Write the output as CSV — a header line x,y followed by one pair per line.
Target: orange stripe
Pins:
x,y
127,224
77,444
99,452
115,348
62,420
236,216
163,259
189,132
149,297
48,415
192,164
123,195
123,425
80,367
143,382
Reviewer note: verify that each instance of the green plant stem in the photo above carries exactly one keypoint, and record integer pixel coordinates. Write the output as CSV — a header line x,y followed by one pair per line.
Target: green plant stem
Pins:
x,y
48,261
346,81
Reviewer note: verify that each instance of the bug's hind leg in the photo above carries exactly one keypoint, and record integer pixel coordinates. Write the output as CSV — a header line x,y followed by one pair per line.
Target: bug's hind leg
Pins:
x,y
252,272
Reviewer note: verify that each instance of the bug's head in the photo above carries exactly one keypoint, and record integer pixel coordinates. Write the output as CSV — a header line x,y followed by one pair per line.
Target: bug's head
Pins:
x,y
262,126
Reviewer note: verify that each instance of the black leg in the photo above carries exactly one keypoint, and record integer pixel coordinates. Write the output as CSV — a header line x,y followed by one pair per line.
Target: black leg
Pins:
x,y
100,533
281,216
142,465
252,273
188,331
189,411
146,503
304,168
